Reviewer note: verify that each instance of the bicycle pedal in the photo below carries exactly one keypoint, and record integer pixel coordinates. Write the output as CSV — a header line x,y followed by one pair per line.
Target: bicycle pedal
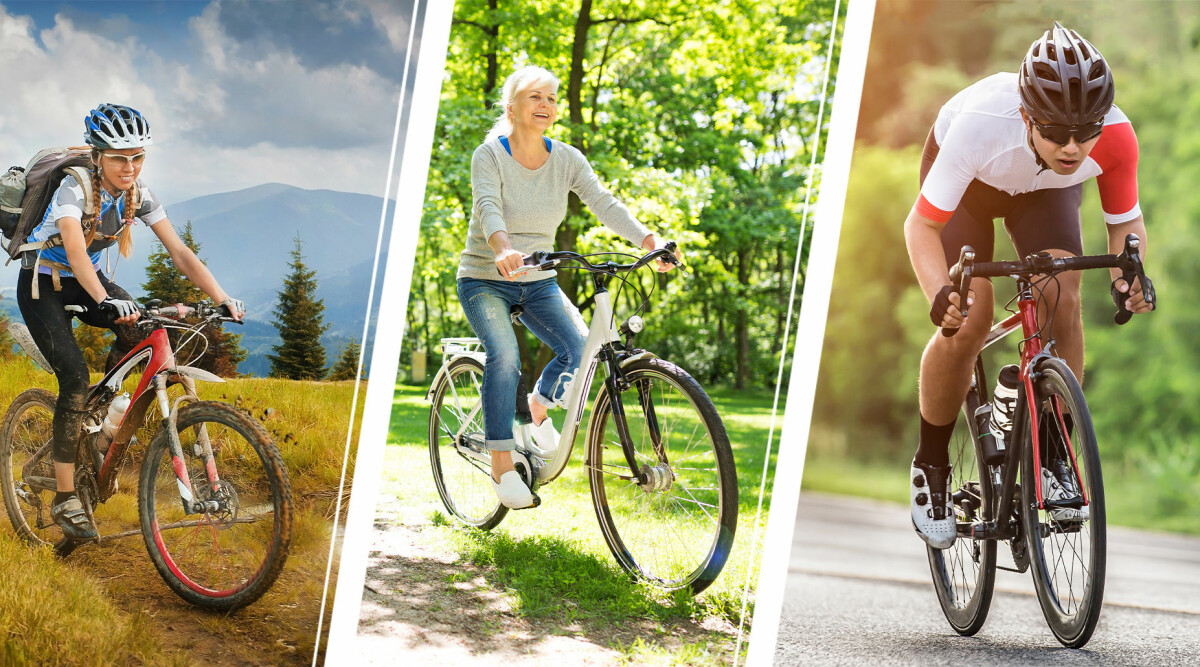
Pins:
x,y
536,502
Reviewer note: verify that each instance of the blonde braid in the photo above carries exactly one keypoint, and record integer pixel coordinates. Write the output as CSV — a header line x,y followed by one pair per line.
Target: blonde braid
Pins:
x,y
92,222
133,201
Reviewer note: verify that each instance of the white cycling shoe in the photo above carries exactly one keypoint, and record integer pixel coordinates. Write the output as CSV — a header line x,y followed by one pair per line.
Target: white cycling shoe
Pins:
x,y
512,492
934,521
1054,488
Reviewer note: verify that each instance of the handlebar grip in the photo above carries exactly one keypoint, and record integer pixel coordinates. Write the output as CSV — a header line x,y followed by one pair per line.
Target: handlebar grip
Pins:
x,y
1133,270
960,278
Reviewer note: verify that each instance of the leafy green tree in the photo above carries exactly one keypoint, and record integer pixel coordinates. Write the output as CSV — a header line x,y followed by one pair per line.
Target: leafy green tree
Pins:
x,y
165,282
346,366
299,317
698,116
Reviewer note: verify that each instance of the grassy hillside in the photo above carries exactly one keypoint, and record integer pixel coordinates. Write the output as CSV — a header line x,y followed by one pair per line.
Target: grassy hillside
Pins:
x,y
105,604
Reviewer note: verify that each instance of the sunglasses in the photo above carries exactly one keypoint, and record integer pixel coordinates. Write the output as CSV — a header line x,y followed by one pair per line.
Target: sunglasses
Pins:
x,y
135,160
1062,134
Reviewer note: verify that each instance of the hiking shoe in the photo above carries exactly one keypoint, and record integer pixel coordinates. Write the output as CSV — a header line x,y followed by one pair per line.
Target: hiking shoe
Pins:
x,y
1060,485
69,516
932,506
512,492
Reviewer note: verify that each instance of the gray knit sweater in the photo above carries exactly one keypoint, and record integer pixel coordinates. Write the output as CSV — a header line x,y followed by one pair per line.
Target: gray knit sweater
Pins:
x,y
530,204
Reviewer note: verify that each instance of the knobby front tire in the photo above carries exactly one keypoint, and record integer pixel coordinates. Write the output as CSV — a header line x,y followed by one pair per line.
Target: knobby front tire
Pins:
x,y
226,559
462,482
1067,556
964,575
676,533
28,426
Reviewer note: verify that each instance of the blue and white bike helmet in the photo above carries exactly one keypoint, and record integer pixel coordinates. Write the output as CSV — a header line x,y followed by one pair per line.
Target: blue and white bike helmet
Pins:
x,y
113,126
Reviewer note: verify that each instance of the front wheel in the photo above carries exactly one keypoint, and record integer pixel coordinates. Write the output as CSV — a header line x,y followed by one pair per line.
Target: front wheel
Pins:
x,y
227,556
673,523
964,575
1067,539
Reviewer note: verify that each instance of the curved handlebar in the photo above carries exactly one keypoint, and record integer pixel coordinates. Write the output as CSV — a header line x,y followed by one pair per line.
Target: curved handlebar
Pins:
x,y
1129,262
154,312
544,261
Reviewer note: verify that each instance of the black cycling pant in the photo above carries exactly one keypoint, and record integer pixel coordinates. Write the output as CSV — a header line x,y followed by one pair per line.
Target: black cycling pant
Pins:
x,y
50,326
1035,221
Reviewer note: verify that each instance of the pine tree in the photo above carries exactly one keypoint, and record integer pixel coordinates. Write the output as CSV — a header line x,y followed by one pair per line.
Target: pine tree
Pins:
x,y
165,282
347,364
95,343
299,319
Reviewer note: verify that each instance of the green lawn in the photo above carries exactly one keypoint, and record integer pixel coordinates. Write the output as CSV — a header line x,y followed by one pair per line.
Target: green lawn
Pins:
x,y
552,560
1133,498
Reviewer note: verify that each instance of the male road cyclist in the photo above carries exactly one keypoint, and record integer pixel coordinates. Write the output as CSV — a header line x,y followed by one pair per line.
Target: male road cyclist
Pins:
x,y
1017,147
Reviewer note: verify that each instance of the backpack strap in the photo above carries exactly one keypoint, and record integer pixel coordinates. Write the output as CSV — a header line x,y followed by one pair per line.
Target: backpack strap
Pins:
x,y
84,178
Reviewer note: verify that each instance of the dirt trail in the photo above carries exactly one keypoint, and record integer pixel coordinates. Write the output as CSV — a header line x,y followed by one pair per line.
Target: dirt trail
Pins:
x,y
437,609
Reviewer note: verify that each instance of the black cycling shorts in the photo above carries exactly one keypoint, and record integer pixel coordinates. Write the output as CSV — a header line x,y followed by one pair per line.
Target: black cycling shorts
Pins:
x,y
1035,221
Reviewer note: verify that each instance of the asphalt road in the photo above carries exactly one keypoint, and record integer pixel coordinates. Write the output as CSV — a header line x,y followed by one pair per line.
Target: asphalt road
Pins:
x,y
859,592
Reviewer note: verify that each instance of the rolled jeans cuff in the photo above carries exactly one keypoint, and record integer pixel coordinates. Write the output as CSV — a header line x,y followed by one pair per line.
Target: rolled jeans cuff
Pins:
x,y
507,445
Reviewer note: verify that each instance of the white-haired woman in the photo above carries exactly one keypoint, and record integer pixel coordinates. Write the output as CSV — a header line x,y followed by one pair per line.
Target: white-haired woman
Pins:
x,y
66,271
520,180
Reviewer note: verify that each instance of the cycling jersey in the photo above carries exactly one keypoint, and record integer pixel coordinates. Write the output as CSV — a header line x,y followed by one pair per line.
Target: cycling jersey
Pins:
x,y
980,136
68,203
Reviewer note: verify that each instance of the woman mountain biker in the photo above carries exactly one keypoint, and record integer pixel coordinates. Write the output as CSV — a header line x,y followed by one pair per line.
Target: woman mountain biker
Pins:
x,y
520,180
66,271
1018,147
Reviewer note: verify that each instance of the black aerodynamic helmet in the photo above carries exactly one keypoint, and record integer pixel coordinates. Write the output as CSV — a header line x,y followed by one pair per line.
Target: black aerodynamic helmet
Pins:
x,y
1064,79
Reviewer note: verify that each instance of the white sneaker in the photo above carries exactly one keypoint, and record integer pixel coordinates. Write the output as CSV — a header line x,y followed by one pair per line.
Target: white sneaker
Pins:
x,y
934,522
545,437
512,491
1054,489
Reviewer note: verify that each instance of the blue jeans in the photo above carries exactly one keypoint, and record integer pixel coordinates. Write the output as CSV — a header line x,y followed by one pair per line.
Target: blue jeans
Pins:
x,y
550,316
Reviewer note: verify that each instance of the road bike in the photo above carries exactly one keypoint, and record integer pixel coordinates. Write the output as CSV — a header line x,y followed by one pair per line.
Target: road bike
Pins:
x,y
214,499
1000,495
659,463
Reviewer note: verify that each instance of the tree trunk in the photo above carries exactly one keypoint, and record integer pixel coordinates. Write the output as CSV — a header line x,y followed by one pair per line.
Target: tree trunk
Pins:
x,y
742,332
493,33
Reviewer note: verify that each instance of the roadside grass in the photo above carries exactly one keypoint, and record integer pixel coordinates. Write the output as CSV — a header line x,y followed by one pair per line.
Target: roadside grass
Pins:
x,y
1160,492
553,563
105,604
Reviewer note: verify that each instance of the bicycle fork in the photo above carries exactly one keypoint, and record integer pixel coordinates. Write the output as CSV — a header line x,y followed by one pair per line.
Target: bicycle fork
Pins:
x,y
202,448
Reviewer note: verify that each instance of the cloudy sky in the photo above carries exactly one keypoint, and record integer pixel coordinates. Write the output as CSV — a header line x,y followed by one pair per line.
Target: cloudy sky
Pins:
x,y
238,93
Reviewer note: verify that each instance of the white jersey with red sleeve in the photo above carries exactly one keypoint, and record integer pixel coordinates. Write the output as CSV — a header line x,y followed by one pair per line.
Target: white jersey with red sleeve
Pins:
x,y
980,135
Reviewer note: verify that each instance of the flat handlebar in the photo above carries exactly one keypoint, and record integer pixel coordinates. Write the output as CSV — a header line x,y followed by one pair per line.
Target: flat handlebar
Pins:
x,y
544,261
1129,261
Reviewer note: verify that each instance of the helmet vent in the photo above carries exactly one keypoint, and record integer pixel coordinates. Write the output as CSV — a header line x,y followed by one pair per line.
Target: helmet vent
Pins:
x,y
1069,57
1044,71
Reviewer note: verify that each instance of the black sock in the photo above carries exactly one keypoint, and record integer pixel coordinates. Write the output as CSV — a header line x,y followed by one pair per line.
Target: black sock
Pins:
x,y
934,447
62,495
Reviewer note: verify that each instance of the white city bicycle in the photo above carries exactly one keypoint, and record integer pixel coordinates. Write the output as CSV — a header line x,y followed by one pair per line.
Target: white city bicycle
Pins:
x,y
661,471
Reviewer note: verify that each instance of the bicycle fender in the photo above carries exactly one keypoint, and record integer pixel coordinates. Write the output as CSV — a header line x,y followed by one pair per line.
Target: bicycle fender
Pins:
x,y
197,374
637,357
441,373
20,333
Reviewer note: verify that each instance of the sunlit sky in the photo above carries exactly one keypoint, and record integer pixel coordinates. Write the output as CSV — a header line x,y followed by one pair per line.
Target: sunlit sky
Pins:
x,y
237,93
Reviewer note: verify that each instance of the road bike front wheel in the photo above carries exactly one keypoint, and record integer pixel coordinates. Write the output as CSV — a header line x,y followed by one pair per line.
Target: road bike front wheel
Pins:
x,y
229,555
456,414
964,575
25,435
673,525
1067,543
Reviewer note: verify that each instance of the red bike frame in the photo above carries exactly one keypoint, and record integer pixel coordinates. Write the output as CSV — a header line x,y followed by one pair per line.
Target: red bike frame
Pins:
x,y
1031,346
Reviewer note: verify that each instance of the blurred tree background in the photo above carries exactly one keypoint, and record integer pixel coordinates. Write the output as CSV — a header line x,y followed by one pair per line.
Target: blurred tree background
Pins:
x,y
1142,379
699,116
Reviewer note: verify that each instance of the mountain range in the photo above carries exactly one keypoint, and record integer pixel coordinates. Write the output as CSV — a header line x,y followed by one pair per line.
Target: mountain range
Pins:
x,y
246,239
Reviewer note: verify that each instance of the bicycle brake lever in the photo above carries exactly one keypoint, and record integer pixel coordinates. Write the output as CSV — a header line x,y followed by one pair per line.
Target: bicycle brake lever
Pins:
x,y
1132,269
960,277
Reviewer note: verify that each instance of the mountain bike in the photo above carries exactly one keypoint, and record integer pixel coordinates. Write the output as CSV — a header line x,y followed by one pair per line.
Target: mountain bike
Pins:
x,y
658,460
214,500
1000,495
